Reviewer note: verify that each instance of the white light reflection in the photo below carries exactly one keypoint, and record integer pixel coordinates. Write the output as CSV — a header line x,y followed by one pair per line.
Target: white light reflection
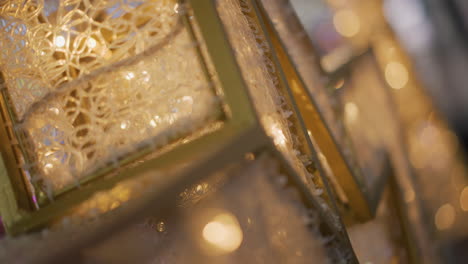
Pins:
x,y
124,125
278,136
59,41
91,43
129,75
275,130
188,99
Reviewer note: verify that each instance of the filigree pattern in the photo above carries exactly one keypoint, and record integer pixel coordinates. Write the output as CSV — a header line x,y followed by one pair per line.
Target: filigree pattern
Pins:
x,y
54,42
88,86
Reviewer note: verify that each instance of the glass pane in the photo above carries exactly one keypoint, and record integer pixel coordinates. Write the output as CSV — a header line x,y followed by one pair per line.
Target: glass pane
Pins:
x,y
90,82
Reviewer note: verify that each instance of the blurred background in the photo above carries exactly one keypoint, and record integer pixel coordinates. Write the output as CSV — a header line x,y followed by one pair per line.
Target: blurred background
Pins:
x,y
421,51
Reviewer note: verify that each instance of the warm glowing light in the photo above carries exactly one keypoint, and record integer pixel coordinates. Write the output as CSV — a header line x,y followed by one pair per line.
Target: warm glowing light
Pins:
x,y
396,75
336,58
464,199
445,217
351,111
161,226
339,84
59,41
91,42
223,233
123,125
346,23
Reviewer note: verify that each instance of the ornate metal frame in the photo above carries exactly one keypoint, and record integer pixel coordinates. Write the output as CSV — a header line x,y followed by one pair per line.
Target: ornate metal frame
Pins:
x,y
240,133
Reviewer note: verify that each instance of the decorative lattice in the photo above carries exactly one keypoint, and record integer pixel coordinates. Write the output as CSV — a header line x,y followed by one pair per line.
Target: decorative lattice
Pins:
x,y
91,81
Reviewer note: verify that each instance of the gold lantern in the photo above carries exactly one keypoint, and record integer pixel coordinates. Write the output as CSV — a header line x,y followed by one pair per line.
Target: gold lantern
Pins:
x,y
100,94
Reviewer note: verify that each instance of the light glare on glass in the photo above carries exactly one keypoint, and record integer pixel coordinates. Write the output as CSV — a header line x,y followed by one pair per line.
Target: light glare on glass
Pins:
x,y
59,41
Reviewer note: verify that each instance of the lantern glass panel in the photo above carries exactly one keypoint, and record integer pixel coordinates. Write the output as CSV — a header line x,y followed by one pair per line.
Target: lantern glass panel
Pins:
x,y
88,84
